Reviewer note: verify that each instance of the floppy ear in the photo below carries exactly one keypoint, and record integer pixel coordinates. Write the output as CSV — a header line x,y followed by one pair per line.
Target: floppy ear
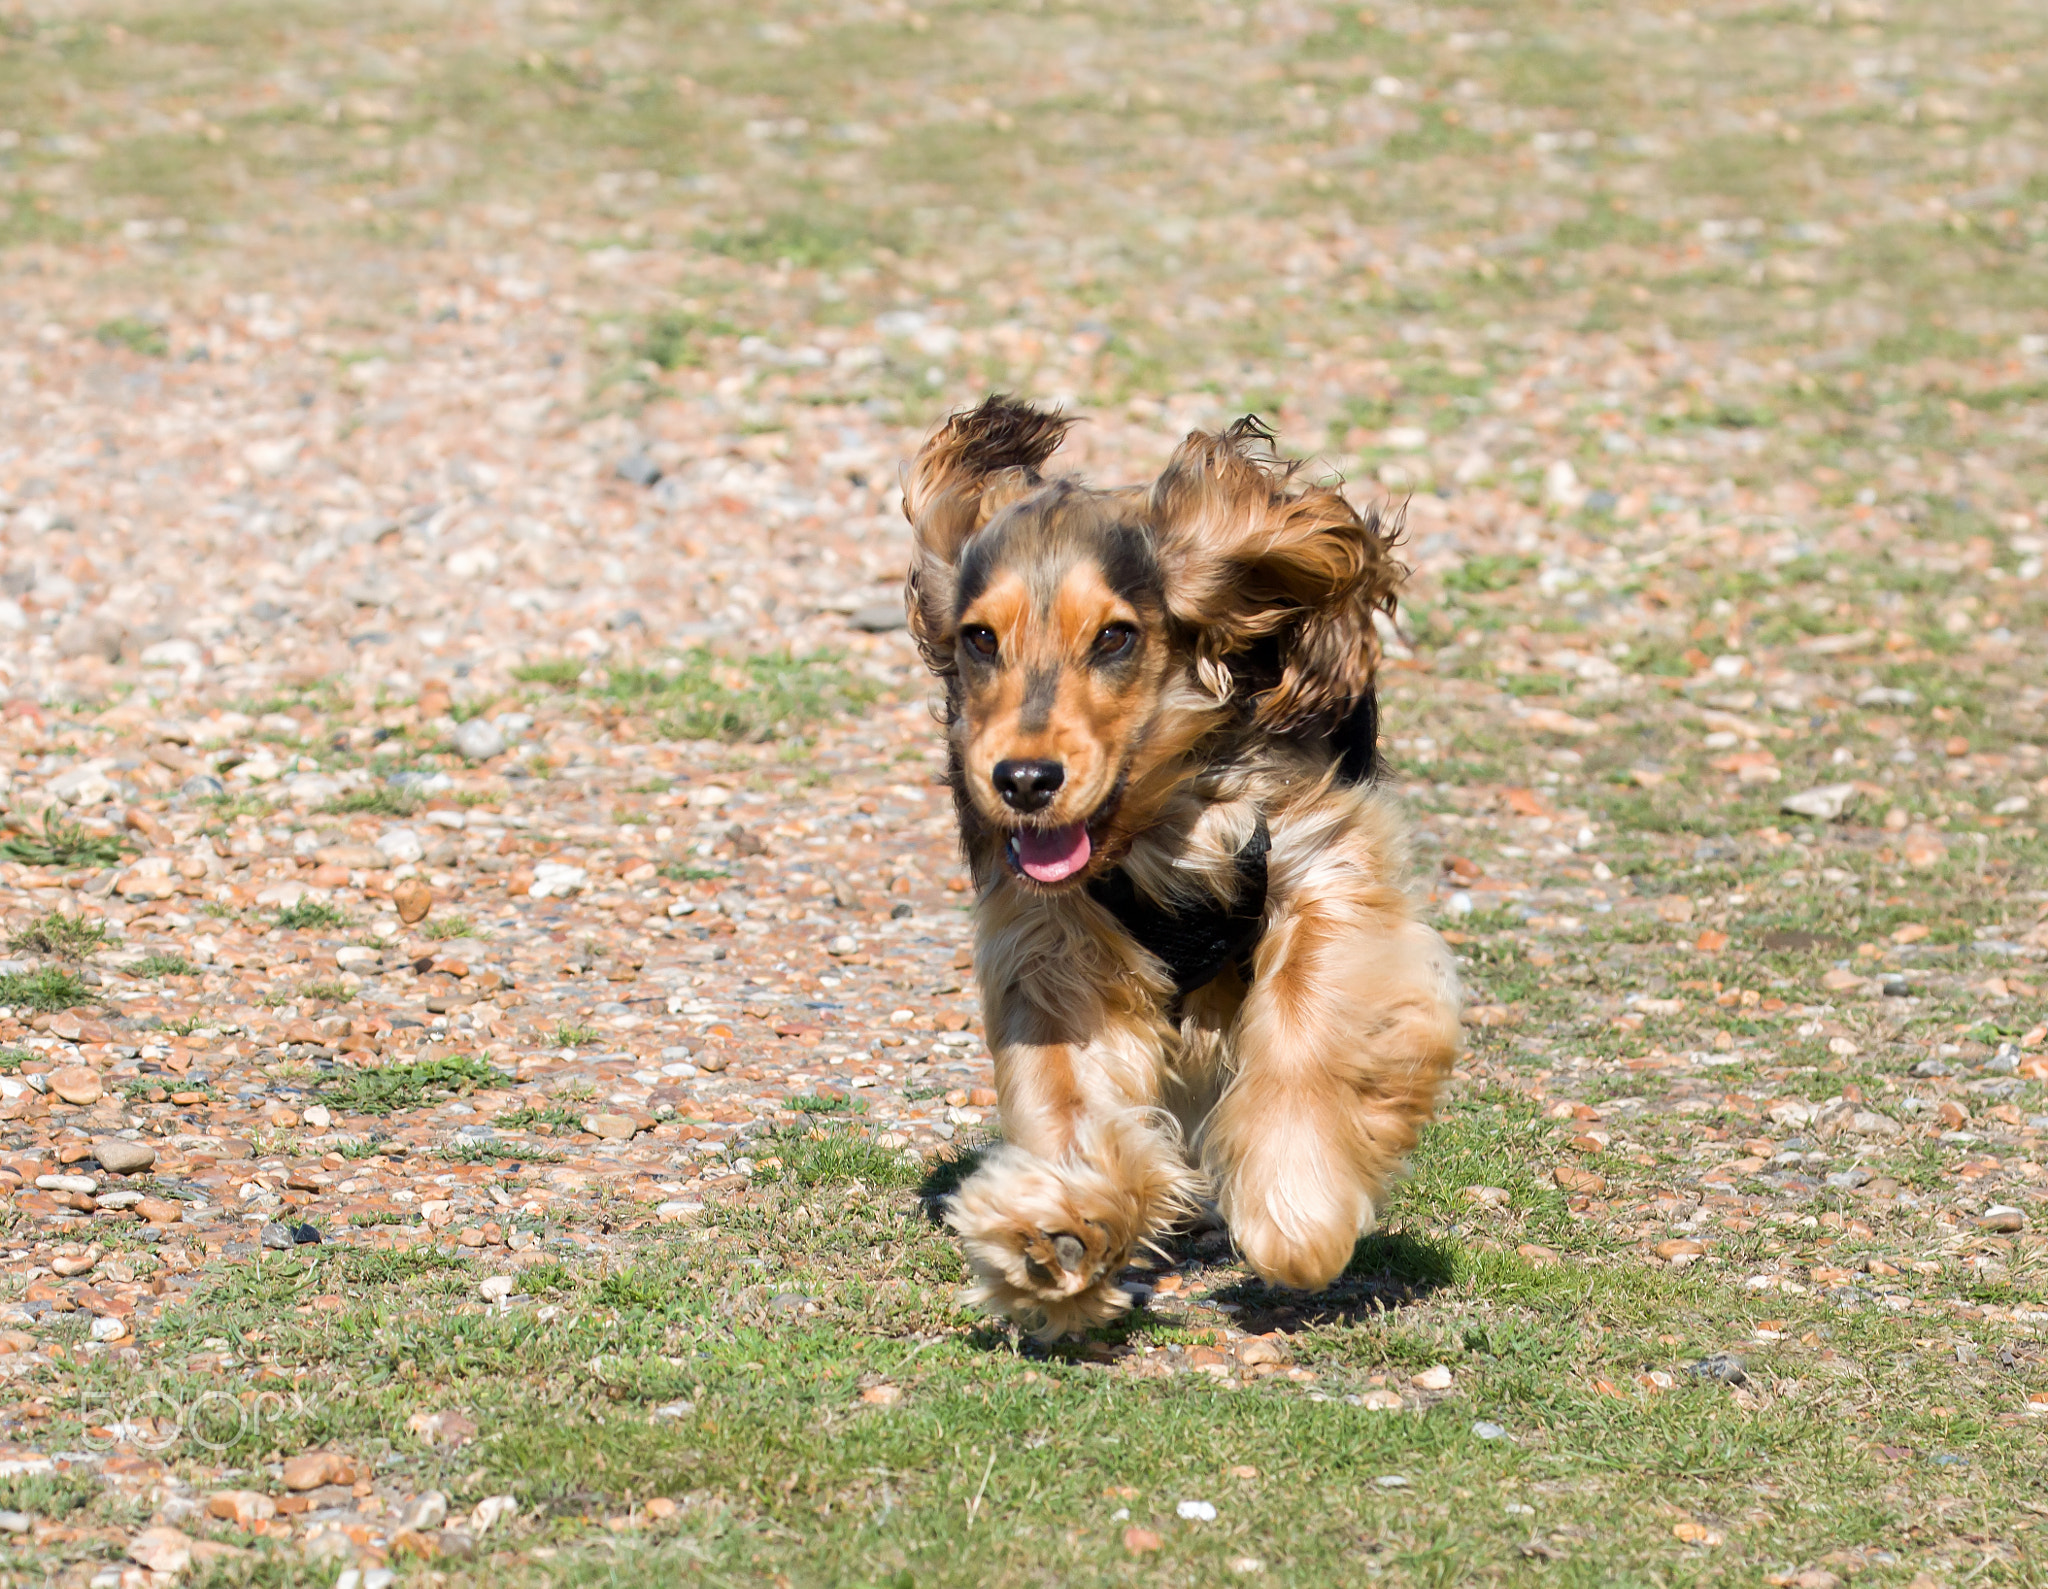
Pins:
x,y
1278,581
967,469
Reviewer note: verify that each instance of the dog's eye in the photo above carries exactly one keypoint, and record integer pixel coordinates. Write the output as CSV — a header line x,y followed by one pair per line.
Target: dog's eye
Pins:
x,y
981,639
1115,640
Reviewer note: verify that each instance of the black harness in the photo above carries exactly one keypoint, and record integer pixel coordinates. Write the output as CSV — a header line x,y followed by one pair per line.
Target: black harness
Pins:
x,y
1196,944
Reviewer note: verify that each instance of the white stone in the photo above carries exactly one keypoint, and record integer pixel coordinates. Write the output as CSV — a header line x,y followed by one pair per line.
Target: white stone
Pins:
x,y
1824,803
555,879
479,739
1561,487
173,654
272,457
400,846
82,786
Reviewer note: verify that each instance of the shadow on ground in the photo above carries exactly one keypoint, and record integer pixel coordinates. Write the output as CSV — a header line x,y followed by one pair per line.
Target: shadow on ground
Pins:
x,y
1388,1270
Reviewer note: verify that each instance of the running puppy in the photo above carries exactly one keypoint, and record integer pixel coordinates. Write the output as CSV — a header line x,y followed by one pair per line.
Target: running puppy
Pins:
x,y
1201,978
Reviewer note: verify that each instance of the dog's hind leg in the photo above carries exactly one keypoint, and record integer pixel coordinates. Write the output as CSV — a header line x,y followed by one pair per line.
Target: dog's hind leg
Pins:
x,y
1351,1023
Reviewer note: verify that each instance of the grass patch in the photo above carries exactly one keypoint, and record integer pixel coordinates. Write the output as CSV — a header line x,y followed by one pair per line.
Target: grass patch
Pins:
x,y
467,1152
802,238
164,965
309,915
446,927
137,336
821,1104
558,672
57,840
690,872
384,801
556,1117
386,1089
54,933
45,990
669,341
567,1035
750,699
1488,573
835,1156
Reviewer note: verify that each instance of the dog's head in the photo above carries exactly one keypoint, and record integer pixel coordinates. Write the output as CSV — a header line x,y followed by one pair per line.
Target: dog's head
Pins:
x,y
1092,643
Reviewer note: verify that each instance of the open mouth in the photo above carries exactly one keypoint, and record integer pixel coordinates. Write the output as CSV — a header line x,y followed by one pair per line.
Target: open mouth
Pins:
x,y
1051,855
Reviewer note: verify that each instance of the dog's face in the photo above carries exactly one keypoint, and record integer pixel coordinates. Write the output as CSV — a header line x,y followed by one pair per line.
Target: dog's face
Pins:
x,y
1060,644
1091,640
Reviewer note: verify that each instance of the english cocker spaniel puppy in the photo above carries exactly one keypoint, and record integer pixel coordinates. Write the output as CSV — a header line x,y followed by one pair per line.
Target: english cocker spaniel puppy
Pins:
x,y
1201,978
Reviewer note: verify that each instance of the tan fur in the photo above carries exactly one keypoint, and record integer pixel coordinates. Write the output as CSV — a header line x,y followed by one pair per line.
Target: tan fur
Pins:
x,y
1292,1101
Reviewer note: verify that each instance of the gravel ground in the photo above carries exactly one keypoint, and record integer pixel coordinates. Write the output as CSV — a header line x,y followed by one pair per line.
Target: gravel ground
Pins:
x,y
471,793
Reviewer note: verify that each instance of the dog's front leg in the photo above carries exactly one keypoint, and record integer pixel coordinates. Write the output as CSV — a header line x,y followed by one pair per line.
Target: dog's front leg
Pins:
x,y
1089,1168
1350,1026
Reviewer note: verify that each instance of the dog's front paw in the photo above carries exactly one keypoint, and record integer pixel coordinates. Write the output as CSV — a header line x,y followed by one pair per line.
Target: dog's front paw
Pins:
x,y
1045,1242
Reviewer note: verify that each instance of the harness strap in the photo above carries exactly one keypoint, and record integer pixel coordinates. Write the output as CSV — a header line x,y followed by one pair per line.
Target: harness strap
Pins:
x,y
1195,945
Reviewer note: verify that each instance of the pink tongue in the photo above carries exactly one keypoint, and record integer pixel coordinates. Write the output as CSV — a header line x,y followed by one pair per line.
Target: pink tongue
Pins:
x,y
1051,855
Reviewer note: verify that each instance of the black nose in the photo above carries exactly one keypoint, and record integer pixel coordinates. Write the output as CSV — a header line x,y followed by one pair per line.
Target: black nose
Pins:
x,y
1028,785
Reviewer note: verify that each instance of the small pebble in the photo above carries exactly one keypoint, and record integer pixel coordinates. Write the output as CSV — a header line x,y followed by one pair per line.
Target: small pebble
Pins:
x,y
68,1183
76,1084
479,740
120,1157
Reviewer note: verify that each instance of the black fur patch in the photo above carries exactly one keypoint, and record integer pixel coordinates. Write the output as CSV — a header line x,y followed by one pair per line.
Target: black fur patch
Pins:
x,y
1131,567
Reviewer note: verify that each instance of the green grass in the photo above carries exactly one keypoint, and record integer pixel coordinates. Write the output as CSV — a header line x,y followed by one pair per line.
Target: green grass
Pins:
x,y
559,672
496,1153
570,1035
556,1116
1488,573
137,336
816,1103
225,808
164,965
442,928
669,341
47,989
382,801
57,840
687,872
386,1089
755,698
309,915
54,933
828,1155
730,1364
